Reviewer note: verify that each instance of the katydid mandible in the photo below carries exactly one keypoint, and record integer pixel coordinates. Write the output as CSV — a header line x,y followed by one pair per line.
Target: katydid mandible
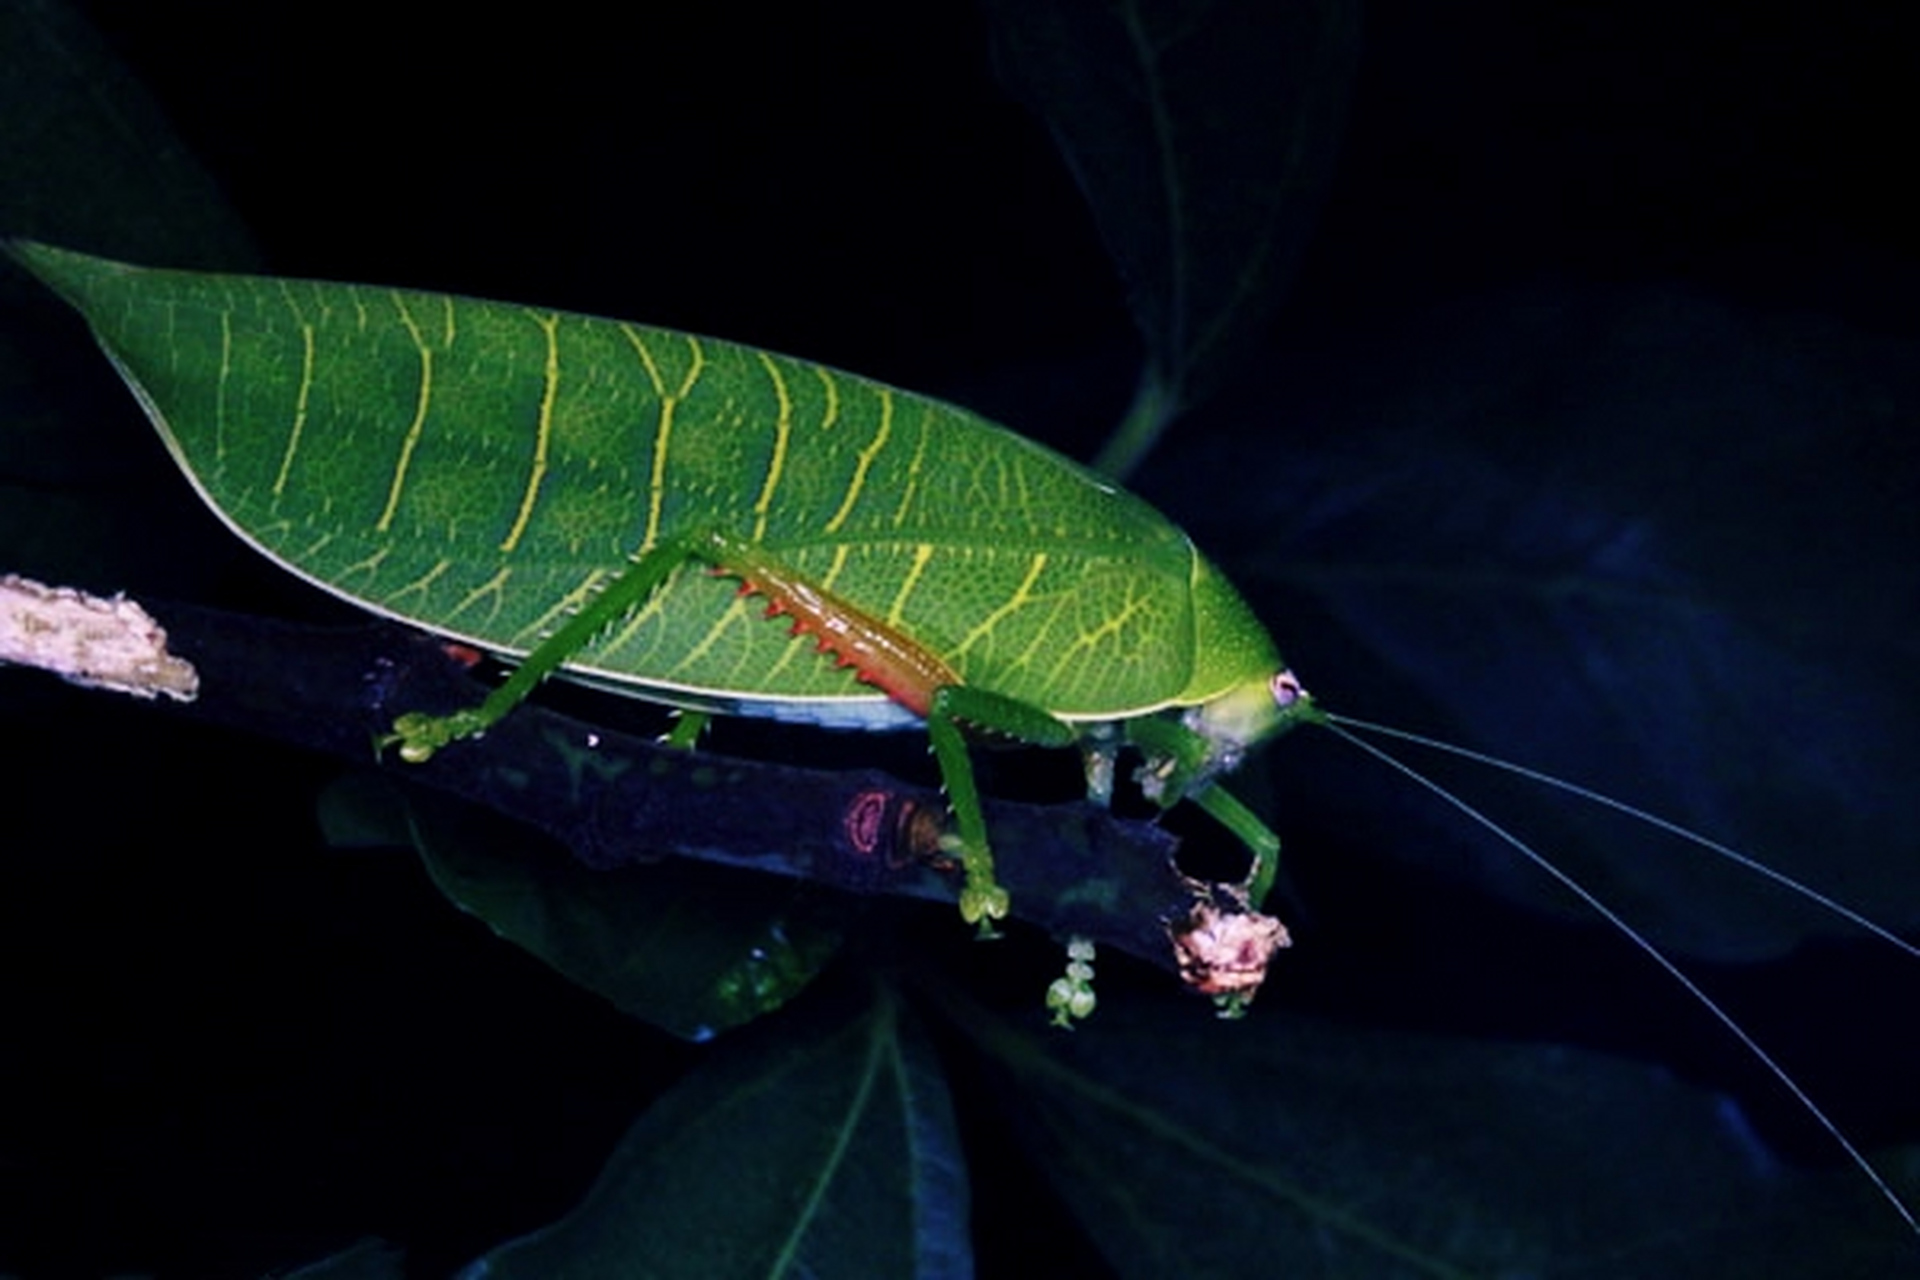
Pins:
x,y
601,499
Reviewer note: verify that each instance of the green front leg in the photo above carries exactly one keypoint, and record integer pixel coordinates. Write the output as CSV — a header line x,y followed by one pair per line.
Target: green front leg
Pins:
x,y
1177,760
1230,813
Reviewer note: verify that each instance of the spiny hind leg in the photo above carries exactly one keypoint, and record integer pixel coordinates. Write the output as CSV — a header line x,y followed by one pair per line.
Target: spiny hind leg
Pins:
x,y
919,680
914,676
881,655
982,899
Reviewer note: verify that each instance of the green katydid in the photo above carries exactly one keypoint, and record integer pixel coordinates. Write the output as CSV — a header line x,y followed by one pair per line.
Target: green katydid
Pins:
x,y
612,487
618,493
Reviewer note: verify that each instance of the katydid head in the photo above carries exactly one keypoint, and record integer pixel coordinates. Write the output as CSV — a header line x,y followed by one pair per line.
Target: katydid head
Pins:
x,y
1184,754
1245,716
1224,954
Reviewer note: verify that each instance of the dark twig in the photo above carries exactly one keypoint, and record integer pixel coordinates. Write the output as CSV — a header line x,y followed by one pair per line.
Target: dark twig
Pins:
x,y
616,799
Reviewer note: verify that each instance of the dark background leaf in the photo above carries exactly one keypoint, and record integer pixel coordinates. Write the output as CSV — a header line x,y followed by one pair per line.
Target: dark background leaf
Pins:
x,y
1634,536
234,1049
1202,134
88,154
820,1143
367,1260
690,951
85,153
1492,1159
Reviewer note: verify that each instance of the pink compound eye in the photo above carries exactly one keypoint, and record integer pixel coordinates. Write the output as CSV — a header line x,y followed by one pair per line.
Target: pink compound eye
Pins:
x,y
1286,688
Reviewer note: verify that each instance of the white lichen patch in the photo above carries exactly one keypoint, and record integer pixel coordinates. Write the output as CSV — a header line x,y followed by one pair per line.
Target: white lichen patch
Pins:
x,y
99,642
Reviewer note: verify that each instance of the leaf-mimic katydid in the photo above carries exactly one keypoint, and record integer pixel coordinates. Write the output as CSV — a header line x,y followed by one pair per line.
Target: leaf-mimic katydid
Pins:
x,y
628,505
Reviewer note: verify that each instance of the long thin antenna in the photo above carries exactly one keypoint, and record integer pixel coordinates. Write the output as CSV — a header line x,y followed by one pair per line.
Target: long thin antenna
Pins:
x,y
1340,726
1811,894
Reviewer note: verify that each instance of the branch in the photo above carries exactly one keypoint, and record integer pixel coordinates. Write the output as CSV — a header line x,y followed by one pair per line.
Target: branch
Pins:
x,y
616,799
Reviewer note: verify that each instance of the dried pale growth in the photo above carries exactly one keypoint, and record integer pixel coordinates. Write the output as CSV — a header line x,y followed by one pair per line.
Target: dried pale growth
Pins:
x,y
1224,951
102,643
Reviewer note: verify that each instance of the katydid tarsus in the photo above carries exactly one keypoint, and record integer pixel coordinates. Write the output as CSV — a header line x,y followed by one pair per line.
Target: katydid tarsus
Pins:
x,y
631,506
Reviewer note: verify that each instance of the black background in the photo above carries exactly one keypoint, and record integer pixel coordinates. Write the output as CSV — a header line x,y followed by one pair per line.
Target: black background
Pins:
x,y
852,186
